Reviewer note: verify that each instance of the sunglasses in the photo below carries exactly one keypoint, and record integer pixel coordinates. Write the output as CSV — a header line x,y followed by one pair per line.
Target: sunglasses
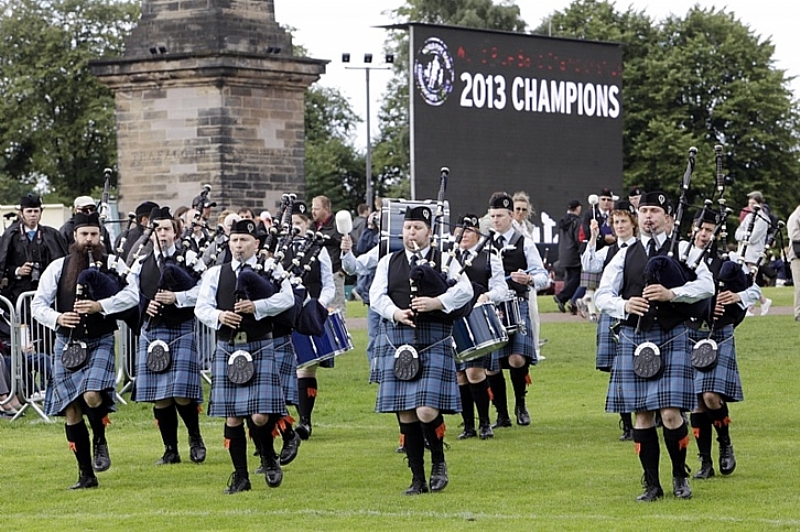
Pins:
x,y
88,209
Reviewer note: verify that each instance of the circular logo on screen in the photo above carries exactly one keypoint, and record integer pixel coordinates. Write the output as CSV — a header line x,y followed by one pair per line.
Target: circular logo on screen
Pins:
x,y
434,74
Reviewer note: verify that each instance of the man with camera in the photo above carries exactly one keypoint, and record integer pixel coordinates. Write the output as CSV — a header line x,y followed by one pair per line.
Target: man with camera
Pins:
x,y
26,248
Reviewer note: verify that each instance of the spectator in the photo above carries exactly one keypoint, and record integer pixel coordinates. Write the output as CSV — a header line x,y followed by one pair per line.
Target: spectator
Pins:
x,y
569,255
86,205
360,222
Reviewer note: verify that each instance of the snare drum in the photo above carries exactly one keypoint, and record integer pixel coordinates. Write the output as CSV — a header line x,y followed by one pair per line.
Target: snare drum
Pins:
x,y
510,316
479,334
334,341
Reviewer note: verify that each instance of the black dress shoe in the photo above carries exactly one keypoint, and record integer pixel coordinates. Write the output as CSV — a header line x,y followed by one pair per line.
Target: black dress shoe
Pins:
x,y
289,450
171,456
486,432
561,307
680,487
274,473
727,461
439,478
706,468
523,417
102,461
417,487
502,421
85,482
627,435
237,483
651,493
469,432
197,449
303,429
400,450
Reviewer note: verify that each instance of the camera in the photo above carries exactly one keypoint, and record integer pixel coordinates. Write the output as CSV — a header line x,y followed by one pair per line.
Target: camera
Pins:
x,y
36,272
374,219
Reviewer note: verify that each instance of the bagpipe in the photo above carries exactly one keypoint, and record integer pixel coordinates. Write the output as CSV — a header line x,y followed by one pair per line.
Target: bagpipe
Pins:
x,y
186,236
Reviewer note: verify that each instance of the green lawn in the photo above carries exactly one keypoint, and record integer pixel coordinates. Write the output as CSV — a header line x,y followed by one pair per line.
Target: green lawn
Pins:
x,y
567,471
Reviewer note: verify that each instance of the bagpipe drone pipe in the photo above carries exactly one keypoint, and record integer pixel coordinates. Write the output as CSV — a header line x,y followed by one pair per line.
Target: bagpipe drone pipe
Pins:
x,y
98,282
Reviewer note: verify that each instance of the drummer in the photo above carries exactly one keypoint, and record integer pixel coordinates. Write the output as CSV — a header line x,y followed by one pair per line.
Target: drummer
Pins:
x,y
524,269
485,270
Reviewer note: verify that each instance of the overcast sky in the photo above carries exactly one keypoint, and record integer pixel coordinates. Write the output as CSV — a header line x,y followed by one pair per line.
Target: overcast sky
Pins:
x,y
328,28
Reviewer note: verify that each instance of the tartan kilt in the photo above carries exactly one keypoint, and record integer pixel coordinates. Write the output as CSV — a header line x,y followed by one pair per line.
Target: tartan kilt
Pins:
x,y
484,362
519,343
674,388
97,375
262,395
182,378
606,345
724,378
436,387
590,280
287,367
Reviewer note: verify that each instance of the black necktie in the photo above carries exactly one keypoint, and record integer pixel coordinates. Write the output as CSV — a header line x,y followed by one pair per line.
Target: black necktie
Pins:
x,y
651,247
624,245
414,260
501,241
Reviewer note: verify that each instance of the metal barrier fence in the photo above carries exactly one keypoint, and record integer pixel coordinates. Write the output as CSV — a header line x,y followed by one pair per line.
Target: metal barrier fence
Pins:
x,y
30,355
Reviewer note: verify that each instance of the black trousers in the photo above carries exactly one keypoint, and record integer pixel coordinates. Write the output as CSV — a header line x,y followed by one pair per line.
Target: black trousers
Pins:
x,y
572,280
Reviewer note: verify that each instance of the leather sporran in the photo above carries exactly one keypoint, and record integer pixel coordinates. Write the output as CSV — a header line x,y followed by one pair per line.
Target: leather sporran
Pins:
x,y
705,354
159,357
647,362
407,364
240,367
74,355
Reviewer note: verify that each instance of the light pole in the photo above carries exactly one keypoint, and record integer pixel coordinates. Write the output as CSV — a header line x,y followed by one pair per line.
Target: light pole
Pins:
x,y
389,59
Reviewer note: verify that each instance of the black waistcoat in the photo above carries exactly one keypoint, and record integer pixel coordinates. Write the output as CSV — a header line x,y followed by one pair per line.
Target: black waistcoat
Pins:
x,y
515,260
149,283
399,286
479,273
633,284
311,280
92,325
226,299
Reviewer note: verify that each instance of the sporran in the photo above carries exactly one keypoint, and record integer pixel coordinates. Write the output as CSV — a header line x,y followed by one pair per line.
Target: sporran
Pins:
x,y
159,357
647,363
74,355
240,367
407,364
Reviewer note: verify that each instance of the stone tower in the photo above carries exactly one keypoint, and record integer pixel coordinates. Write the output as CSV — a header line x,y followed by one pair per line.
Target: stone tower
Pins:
x,y
208,91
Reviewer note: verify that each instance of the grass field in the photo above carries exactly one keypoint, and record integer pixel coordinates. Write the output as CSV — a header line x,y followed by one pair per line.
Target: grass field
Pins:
x,y
567,471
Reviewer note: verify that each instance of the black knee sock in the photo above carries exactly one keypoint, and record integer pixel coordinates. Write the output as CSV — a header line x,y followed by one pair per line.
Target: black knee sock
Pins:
x,y
263,436
480,396
190,414
434,434
78,438
721,421
414,444
236,443
649,451
167,419
284,426
256,442
677,441
497,383
701,427
627,423
308,396
97,420
519,380
467,406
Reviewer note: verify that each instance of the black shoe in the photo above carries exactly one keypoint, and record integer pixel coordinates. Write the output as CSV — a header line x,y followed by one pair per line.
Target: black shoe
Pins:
x,y
627,435
573,309
171,456
486,432
274,473
651,493
680,487
561,307
102,461
262,469
439,478
85,482
502,421
706,468
304,429
417,487
400,450
469,432
289,450
727,461
197,449
523,417
237,483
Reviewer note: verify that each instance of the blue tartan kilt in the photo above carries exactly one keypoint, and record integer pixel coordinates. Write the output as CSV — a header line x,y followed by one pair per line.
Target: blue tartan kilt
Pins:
x,y
606,345
590,280
262,395
674,388
436,387
97,375
521,343
287,367
182,378
485,362
724,378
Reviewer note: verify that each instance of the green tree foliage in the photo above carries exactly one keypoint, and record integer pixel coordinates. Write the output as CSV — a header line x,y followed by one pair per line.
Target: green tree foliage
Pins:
x,y
391,156
56,121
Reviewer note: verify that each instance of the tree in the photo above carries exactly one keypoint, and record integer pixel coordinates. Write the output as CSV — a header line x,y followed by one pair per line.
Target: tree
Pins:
x,y
56,121
391,156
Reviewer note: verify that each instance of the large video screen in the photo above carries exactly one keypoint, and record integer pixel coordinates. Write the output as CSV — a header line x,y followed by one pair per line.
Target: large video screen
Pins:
x,y
513,112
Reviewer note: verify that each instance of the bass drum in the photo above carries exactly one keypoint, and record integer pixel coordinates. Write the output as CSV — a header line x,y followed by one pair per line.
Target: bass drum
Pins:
x,y
393,212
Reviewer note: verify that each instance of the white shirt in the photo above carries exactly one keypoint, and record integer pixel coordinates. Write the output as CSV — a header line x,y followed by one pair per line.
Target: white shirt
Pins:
x,y
206,307
498,288
592,260
758,237
541,279
749,296
456,296
361,265
183,299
